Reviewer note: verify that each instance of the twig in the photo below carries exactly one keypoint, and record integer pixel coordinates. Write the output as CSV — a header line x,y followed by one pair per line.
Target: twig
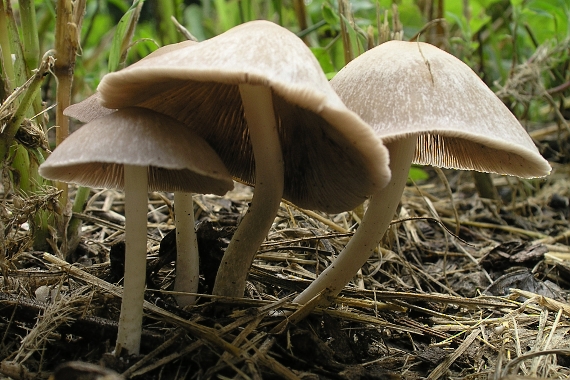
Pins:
x,y
441,369
513,230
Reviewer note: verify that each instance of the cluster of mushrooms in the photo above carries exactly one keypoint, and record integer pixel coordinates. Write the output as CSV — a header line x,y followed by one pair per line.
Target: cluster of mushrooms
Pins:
x,y
253,104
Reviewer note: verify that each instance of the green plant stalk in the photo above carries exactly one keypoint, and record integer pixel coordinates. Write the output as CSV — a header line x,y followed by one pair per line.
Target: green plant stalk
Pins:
x,y
43,219
277,4
40,224
4,93
74,227
348,49
126,43
301,15
31,51
124,32
224,19
45,25
29,34
245,10
20,74
8,68
20,166
168,33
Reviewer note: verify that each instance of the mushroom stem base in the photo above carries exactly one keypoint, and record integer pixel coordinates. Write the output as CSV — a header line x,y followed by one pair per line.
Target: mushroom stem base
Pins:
x,y
381,208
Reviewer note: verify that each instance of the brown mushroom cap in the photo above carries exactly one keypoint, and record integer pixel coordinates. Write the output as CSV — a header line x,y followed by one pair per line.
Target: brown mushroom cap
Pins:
x,y
406,88
333,160
177,158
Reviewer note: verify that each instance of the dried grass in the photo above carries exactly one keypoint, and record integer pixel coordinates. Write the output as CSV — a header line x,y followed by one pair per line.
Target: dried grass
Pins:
x,y
418,309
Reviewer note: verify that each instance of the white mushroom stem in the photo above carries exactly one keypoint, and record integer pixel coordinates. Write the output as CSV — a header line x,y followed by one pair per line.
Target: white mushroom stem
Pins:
x,y
136,205
187,258
381,208
269,173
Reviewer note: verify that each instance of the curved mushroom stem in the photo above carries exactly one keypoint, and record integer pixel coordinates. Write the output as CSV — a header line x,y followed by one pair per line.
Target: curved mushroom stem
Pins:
x,y
136,205
269,173
377,218
187,258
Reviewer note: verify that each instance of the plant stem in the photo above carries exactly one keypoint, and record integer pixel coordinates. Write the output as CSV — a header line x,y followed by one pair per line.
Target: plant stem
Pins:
x,y
130,32
69,22
269,173
31,42
344,15
278,8
63,69
29,34
20,166
168,33
20,73
74,226
8,68
301,15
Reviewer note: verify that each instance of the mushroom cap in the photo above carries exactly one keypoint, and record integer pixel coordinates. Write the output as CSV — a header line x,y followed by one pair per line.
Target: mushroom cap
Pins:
x,y
177,159
413,88
91,108
333,161
88,109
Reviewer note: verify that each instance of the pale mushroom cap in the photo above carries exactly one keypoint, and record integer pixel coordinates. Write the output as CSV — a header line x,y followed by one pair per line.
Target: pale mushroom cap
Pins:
x,y
91,108
88,109
177,158
333,160
405,88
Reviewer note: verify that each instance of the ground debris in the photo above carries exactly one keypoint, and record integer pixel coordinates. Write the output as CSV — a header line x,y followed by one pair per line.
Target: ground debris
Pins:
x,y
464,289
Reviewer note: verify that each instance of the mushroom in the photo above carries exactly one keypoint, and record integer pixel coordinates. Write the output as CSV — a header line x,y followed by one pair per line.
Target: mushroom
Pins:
x,y
429,108
138,149
258,91
187,259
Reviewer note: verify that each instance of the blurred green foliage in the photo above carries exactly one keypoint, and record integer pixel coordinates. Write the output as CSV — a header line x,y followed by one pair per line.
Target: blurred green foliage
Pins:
x,y
492,36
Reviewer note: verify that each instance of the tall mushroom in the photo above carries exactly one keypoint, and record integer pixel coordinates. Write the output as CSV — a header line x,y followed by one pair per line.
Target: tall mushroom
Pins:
x,y
137,149
258,91
429,108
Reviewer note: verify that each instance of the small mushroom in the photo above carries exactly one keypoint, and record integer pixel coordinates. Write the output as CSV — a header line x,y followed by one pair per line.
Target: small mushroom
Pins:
x,y
138,149
258,91
187,249
429,108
